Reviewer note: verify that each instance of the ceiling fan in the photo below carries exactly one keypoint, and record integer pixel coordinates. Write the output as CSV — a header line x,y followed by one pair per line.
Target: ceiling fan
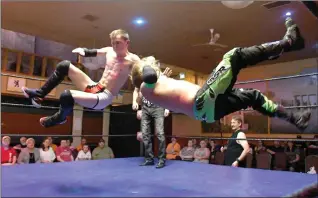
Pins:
x,y
213,41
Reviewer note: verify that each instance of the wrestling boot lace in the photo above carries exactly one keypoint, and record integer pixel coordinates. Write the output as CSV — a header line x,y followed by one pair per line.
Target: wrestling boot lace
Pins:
x,y
53,120
294,36
302,120
34,95
161,164
147,163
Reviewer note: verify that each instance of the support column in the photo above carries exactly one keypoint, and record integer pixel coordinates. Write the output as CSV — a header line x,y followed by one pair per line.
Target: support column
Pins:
x,y
106,117
77,124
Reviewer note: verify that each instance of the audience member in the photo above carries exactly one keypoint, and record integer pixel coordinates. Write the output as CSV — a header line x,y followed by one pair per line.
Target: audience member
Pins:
x,y
53,146
277,148
20,146
80,147
74,151
313,147
187,152
194,143
29,155
213,149
202,154
64,153
84,153
102,151
47,154
8,154
173,150
207,143
293,156
69,144
260,148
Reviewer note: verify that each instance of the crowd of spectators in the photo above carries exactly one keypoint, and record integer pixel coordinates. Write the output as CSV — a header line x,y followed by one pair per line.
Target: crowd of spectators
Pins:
x,y
206,152
26,151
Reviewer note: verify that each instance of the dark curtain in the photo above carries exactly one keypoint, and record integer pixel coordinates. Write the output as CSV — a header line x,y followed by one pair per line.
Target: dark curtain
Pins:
x,y
122,124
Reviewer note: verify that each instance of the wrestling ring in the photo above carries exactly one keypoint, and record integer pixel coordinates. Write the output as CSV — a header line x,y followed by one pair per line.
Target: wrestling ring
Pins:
x,y
123,177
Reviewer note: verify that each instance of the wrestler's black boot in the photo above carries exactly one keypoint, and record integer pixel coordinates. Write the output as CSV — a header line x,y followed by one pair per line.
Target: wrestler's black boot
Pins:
x,y
36,95
297,118
56,119
292,41
66,107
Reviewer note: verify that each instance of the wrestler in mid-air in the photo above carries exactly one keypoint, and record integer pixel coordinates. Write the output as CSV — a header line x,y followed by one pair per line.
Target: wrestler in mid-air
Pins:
x,y
217,98
119,62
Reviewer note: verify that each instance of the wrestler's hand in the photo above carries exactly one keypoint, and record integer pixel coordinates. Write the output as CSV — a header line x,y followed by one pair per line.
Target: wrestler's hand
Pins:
x,y
235,164
135,106
139,114
166,113
79,51
167,72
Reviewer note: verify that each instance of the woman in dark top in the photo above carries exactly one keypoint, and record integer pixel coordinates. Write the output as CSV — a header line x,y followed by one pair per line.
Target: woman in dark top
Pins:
x,y
293,156
236,149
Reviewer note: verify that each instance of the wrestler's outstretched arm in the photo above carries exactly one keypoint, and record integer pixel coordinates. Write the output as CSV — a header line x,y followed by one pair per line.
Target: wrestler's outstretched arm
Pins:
x,y
91,52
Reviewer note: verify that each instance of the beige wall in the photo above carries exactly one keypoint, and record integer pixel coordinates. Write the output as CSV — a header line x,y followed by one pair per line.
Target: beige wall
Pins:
x,y
184,126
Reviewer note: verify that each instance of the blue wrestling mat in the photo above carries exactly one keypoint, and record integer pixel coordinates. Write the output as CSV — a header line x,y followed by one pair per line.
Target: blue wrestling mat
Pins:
x,y
125,178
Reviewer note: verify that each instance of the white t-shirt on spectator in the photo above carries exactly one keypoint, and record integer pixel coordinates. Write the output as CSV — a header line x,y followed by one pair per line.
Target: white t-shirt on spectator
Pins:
x,y
47,155
84,156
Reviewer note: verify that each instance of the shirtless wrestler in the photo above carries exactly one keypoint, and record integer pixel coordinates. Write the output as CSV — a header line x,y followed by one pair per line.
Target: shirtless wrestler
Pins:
x,y
217,98
119,62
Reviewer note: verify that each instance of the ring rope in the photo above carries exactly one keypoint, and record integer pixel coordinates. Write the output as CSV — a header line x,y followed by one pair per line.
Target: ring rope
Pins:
x,y
238,83
277,78
167,136
75,109
40,79
121,112
32,78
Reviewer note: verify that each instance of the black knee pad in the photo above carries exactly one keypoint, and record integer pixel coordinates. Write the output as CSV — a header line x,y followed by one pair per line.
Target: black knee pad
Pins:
x,y
66,99
149,75
63,67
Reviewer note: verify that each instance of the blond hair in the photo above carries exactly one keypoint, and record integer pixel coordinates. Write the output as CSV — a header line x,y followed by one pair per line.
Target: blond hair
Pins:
x,y
136,72
120,32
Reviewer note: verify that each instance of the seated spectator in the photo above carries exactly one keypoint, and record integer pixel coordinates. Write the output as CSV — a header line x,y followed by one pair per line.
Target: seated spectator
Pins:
x,y
102,151
8,154
313,147
84,153
73,149
251,149
187,152
69,144
80,147
300,144
194,144
260,148
47,154
276,148
53,146
293,156
173,150
29,155
64,153
207,143
213,149
20,146
202,154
